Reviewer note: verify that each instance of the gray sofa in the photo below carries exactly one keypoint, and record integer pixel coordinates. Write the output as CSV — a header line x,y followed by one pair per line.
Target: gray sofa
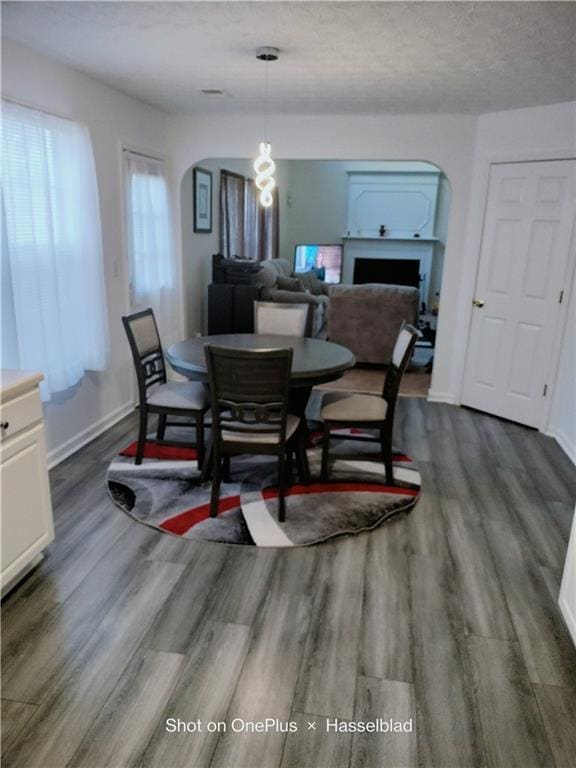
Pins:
x,y
365,318
279,283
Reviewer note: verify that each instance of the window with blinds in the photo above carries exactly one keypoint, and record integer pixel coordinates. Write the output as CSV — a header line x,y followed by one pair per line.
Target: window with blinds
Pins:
x,y
150,252
54,304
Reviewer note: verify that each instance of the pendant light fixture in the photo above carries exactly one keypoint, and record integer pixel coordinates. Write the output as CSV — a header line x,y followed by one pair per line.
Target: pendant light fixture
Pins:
x,y
264,165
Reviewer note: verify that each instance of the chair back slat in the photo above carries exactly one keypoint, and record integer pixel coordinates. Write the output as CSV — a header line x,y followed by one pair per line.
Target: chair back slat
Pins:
x,y
146,348
401,355
249,389
267,416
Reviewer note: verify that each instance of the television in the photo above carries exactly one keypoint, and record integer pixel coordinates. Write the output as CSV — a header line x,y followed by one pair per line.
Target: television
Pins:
x,y
324,259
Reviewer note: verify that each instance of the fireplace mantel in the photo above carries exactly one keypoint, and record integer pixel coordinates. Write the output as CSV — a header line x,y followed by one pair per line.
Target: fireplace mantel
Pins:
x,y
393,239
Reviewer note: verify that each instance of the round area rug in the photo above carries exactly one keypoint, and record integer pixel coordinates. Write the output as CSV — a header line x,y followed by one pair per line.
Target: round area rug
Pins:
x,y
164,492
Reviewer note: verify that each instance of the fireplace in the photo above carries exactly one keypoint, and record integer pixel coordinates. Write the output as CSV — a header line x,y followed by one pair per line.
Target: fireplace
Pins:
x,y
390,271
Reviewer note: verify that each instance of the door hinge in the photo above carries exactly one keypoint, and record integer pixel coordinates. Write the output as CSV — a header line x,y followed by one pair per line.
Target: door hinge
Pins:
x,y
545,390
561,297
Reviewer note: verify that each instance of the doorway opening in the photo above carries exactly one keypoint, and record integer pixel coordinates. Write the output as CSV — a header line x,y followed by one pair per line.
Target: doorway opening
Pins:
x,y
383,222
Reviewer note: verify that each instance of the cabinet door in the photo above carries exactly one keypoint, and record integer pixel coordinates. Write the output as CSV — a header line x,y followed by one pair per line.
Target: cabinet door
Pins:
x,y
26,509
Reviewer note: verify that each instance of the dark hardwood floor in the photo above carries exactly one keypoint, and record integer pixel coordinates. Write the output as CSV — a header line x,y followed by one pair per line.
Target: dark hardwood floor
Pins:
x,y
447,615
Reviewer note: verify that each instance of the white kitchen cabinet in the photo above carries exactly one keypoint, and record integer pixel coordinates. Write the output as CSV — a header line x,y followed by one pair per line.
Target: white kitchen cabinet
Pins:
x,y
26,509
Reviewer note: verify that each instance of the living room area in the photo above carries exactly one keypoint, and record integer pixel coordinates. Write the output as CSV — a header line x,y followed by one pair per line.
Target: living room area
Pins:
x,y
345,545
327,212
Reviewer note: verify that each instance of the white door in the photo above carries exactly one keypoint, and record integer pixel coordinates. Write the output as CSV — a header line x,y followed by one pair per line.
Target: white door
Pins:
x,y
523,265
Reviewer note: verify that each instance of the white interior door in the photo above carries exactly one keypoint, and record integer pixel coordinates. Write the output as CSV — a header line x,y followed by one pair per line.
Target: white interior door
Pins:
x,y
523,265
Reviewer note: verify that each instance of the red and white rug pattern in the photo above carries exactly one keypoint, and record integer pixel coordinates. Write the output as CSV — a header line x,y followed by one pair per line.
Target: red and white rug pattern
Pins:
x,y
164,492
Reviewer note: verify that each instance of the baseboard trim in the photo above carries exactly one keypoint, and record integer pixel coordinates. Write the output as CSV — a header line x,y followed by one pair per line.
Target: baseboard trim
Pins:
x,y
564,443
442,397
61,452
569,617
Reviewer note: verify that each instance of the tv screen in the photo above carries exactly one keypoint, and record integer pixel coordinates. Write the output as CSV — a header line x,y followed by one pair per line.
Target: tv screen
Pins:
x,y
320,257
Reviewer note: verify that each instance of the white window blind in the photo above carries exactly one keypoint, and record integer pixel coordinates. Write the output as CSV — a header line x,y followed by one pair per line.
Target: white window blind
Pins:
x,y
54,302
151,258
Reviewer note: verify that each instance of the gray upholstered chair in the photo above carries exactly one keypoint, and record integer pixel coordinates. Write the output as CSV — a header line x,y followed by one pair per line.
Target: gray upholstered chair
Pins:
x,y
340,410
156,395
283,319
249,391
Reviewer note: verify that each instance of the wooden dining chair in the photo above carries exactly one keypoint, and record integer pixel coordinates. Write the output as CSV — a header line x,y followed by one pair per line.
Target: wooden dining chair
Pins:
x,y
273,317
363,411
249,395
156,394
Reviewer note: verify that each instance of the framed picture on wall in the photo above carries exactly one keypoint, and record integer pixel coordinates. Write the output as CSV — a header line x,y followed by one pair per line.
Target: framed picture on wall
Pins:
x,y
202,200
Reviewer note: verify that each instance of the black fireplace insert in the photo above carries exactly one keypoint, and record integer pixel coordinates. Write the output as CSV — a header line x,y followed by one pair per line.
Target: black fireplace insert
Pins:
x,y
389,271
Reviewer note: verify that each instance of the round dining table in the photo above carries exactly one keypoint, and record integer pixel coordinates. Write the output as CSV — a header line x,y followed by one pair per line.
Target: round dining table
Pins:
x,y
314,361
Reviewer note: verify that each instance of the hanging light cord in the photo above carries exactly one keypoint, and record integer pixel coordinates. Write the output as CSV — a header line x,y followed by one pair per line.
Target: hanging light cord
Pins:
x,y
266,101
264,165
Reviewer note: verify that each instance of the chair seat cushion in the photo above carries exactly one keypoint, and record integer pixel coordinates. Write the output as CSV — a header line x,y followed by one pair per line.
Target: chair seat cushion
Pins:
x,y
267,438
350,408
189,395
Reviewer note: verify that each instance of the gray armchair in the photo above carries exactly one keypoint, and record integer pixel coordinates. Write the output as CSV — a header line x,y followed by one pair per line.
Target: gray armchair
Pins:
x,y
281,285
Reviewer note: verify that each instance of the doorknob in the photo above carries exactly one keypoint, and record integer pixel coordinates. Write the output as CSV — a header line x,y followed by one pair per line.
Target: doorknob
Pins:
x,y
478,303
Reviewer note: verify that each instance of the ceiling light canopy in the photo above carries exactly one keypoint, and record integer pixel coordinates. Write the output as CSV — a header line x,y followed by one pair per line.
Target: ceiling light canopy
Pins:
x,y
264,165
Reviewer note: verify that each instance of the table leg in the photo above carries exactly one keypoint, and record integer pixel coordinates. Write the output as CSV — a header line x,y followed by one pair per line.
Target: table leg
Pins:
x,y
298,401
206,473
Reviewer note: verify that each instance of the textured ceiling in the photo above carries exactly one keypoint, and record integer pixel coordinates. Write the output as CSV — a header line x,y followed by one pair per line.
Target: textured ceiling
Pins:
x,y
337,57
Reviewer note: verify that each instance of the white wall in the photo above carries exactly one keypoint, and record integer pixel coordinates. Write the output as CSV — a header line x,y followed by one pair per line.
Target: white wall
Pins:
x,y
562,424
114,120
317,210
537,133
444,201
568,589
443,140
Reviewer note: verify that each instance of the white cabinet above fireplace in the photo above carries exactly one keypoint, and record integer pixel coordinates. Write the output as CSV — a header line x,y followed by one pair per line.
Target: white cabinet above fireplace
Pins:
x,y
405,203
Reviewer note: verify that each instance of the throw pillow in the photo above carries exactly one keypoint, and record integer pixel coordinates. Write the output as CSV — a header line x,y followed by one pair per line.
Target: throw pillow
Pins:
x,y
311,282
267,275
290,284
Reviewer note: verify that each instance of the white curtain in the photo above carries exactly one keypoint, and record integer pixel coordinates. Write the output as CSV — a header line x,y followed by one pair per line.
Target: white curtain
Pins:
x,y
52,249
151,257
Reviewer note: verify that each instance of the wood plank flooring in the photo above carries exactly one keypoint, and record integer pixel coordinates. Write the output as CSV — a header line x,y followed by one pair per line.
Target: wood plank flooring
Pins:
x,y
446,615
